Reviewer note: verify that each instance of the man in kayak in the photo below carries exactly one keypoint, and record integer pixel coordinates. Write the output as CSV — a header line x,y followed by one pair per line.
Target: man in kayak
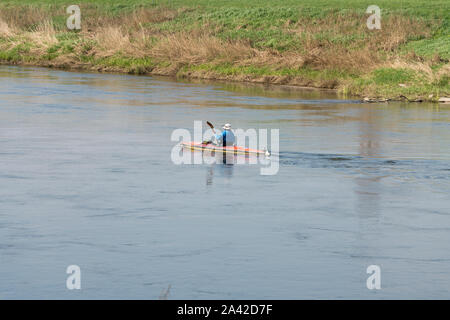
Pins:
x,y
227,138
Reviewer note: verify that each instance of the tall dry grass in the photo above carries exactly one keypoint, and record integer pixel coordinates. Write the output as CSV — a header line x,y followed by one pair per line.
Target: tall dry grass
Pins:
x,y
30,24
114,39
5,29
424,68
43,35
345,41
38,40
336,41
93,20
24,17
199,47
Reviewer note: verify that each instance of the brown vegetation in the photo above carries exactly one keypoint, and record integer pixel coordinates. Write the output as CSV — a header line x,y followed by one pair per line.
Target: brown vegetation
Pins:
x,y
335,42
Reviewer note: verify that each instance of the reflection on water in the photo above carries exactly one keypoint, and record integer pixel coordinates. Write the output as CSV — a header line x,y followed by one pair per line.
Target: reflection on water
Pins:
x,y
224,170
367,187
87,179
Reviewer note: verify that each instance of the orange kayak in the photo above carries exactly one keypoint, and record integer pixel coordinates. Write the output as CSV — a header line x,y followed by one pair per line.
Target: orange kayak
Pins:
x,y
197,146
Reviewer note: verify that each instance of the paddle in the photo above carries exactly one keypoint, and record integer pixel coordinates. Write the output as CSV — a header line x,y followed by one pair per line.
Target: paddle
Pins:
x,y
214,131
211,126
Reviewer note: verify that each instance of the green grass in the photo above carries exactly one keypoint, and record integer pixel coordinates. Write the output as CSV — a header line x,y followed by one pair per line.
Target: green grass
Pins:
x,y
392,76
385,82
121,63
265,25
439,45
227,69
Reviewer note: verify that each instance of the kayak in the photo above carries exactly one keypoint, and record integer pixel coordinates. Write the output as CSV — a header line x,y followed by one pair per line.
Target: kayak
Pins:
x,y
196,146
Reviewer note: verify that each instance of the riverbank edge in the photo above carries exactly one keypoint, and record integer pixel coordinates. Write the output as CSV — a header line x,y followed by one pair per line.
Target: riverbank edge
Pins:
x,y
182,73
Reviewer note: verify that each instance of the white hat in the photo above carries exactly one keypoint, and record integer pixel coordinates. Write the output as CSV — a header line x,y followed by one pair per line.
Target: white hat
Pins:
x,y
227,126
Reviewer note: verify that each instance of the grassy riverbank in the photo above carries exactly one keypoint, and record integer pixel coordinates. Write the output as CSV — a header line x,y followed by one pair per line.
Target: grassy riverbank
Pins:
x,y
316,43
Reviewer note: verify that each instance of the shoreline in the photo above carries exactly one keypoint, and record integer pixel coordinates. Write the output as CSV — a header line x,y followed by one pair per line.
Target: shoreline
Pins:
x,y
407,59
78,67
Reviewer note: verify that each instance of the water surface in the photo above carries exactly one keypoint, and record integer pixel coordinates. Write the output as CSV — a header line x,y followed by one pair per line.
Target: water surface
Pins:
x,y
86,178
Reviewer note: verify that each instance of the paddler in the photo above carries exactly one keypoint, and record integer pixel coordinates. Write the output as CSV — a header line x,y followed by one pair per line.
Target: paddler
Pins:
x,y
226,138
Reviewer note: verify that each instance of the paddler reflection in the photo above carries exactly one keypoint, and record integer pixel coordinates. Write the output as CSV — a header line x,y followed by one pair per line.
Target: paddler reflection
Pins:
x,y
223,165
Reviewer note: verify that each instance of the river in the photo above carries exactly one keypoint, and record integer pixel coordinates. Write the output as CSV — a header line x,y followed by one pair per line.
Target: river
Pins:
x,y
87,179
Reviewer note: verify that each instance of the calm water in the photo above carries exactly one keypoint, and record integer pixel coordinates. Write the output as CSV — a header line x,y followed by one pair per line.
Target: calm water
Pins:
x,y
86,178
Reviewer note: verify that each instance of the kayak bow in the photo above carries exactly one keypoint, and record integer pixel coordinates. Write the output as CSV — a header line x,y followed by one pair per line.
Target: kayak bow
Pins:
x,y
196,146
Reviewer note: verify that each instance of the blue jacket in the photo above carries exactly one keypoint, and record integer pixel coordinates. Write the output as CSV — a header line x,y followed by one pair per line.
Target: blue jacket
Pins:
x,y
226,138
